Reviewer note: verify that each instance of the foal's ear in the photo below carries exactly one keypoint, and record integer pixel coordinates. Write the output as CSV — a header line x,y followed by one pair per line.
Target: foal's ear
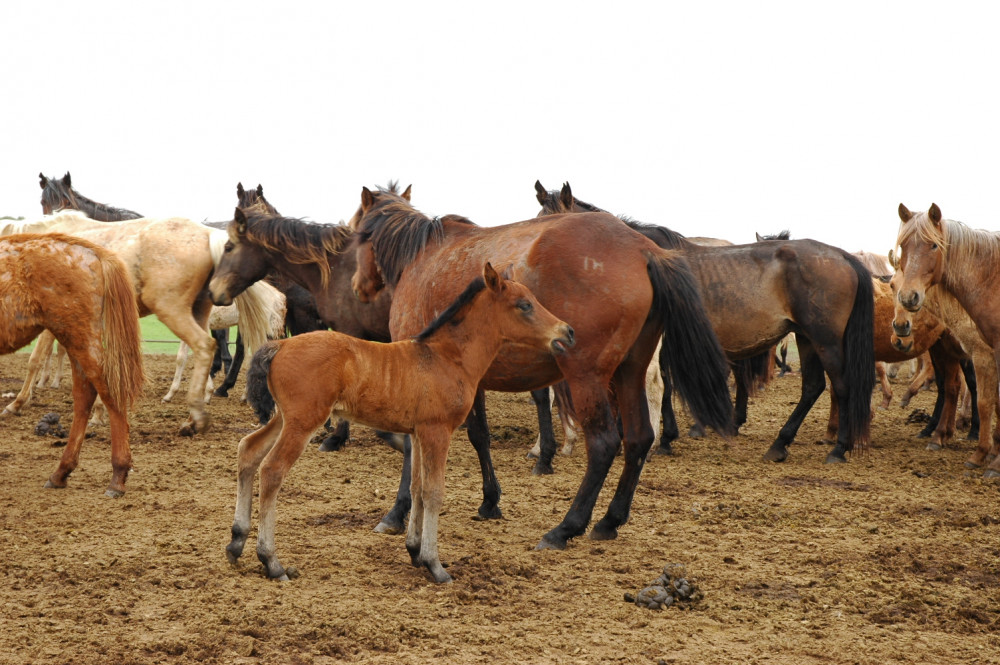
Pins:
x,y
241,221
935,214
66,180
493,281
904,213
566,197
406,194
42,180
367,198
540,193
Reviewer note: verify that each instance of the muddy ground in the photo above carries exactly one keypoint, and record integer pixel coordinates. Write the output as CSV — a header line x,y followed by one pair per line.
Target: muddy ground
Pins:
x,y
892,558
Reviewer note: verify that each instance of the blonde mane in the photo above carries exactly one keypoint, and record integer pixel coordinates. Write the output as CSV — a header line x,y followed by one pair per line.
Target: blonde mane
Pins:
x,y
965,250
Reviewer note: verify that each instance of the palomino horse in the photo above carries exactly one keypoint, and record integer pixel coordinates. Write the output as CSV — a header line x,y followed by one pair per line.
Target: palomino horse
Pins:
x,y
962,263
756,294
423,386
317,257
82,294
619,291
170,262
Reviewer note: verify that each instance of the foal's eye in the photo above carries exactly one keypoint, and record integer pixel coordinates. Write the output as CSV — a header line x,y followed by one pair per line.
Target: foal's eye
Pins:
x,y
524,306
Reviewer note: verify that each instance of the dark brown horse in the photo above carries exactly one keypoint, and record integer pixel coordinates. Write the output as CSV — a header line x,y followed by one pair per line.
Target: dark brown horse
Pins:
x,y
59,195
756,294
618,290
318,258
82,294
423,386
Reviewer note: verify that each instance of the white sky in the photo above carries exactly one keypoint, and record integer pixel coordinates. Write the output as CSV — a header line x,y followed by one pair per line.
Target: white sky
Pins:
x,y
712,118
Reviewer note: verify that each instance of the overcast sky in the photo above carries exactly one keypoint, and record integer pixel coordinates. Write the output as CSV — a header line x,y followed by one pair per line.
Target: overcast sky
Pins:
x,y
713,118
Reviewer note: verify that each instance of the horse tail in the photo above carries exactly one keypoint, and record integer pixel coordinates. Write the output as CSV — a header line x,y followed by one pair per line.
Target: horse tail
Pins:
x,y
754,372
859,359
120,334
258,394
693,354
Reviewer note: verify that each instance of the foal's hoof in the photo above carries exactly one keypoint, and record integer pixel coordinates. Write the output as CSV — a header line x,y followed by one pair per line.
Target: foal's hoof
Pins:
x,y
49,485
114,493
835,458
933,446
331,443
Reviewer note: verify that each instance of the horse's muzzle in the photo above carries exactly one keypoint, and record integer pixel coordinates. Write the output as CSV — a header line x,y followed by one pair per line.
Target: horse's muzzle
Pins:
x,y
901,346
904,329
912,301
565,342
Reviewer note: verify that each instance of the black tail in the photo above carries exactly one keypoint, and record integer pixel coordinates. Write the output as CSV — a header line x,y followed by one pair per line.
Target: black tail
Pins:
x,y
754,372
859,359
258,394
694,356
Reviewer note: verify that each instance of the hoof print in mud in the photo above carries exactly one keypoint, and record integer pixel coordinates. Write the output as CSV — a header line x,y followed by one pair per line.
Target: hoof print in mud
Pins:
x,y
671,588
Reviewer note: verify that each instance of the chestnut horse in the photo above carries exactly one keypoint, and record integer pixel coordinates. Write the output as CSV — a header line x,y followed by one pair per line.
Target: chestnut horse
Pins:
x,y
962,263
423,386
756,294
170,262
619,290
82,294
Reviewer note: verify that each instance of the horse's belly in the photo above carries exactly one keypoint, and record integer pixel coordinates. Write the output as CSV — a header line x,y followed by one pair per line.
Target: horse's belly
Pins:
x,y
519,369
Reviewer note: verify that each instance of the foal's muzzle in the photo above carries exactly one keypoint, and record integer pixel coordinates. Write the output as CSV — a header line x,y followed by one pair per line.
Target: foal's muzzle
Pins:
x,y
564,342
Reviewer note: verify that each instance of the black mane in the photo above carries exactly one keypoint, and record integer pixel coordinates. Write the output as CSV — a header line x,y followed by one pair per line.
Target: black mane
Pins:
x,y
451,313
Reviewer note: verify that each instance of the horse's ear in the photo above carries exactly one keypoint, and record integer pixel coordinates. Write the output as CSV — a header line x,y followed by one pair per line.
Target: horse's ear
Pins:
x,y
493,281
904,213
239,190
42,180
367,198
260,190
893,259
241,221
540,192
759,237
406,193
935,214
66,180
508,272
566,197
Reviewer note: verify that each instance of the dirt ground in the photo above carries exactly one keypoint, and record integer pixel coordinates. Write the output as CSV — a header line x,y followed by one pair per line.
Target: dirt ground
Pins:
x,y
892,558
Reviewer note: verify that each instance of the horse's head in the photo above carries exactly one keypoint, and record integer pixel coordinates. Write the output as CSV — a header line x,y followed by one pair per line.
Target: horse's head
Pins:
x,y
902,321
554,203
367,280
922,247
521,319
242,263
254,199
56,194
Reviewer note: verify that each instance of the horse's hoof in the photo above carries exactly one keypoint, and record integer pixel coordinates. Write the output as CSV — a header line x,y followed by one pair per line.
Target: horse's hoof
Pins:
x,y
331,444
542,469
990,473
532,454
49,485
826,442
187,430
664,450
835,458
599,533
113,493
776,455
221,392
9,412
547,544
972,465
439,574
696,432
933,446
391,529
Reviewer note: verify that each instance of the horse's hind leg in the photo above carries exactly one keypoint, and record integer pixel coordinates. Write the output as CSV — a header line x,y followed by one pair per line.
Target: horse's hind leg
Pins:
x,y
179,363
252,449
43,347
432,455
57,366
84,395
545,446
338,437
813,384
393,520
479,436
986,392
191,326
235,363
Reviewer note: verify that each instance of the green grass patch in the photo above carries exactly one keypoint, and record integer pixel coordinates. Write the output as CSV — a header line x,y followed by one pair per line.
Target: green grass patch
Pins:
x,y
156,338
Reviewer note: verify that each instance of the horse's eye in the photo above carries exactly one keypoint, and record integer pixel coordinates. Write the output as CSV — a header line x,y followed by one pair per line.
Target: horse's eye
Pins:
x,y
524,306
934,246
228,247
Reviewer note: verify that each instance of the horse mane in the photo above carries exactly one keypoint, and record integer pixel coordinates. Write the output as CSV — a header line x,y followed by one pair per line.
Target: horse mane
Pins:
x,y
59,194
781,235
398,233
299,241
964,248
876,263
452,311
661,235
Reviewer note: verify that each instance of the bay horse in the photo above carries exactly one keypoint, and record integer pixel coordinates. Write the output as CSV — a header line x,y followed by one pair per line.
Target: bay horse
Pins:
x,y
618,290
756,294
422,386
961,262
83,295
170,262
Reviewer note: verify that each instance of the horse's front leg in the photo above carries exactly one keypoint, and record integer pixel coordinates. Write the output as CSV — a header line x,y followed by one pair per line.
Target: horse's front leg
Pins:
x,y
393,521
43,348
813,384
252,449
545,446
428,490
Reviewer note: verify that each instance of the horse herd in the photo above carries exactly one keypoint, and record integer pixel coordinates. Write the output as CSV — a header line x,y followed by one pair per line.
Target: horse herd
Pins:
x,y
401,322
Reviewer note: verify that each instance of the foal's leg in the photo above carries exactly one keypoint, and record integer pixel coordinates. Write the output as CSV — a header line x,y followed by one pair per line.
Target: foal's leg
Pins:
x,y
428,491
813,384
179,363
252,449
84,395
43,347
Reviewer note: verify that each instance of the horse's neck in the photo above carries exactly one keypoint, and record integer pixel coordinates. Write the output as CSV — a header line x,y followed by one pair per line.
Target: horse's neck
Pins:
x,y
101,211
972,280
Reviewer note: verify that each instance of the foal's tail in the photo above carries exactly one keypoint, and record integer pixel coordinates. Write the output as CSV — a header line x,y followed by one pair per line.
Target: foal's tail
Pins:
x,y
691,350
859,359
258,394
120,337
